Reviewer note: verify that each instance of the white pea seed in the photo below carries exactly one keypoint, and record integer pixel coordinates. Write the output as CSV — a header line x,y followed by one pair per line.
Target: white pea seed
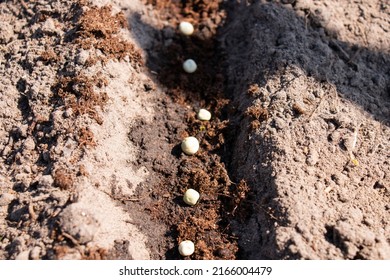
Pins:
x,y
191,197
186,28
190,66
186,248
190,145
204,115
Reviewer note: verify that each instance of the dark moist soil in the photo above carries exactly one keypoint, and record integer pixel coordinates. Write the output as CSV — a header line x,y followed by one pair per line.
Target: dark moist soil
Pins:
x,y
207,224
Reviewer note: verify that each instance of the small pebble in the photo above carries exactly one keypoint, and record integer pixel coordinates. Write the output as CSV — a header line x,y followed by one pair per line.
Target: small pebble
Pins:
x,y
35,253
68,113
23,256
190,66
186,248
7,32
186,28
46,181
27,169
29,144
204,115
6,199
312,158
190,145
82,57
191,197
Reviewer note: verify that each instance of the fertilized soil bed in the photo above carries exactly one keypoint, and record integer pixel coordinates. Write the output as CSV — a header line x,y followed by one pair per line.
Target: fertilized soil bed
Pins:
x,y
294,163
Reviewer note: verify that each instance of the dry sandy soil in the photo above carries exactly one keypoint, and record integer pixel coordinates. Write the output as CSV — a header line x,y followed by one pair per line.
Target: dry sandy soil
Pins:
x,y
294,164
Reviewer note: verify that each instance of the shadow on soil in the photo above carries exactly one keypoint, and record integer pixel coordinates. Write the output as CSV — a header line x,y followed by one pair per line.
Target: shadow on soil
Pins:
x,y
288,39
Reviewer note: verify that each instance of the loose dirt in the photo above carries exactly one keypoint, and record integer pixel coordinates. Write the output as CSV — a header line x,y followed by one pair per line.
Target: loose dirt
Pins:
x,y
294,163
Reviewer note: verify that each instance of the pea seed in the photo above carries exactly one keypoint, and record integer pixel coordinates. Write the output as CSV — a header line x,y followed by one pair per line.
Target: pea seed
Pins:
x,y
190,66
191,197
190,145
186,28
186,248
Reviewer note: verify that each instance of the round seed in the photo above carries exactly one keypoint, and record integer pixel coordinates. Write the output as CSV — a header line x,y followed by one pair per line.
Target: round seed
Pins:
x,y
189,66
186,28
186,248
190,145
204,115
191,197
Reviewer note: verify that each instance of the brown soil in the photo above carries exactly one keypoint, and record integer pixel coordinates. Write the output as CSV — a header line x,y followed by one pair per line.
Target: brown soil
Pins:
x,y
292,165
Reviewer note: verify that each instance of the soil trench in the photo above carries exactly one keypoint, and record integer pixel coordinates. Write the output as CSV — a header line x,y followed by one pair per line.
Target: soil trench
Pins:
x,y
207,224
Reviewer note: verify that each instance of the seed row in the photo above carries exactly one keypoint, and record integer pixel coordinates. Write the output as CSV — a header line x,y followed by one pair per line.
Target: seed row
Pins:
x,y
190,145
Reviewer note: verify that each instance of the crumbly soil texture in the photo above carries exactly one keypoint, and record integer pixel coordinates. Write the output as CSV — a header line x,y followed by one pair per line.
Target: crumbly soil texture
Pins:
x,y
294,163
